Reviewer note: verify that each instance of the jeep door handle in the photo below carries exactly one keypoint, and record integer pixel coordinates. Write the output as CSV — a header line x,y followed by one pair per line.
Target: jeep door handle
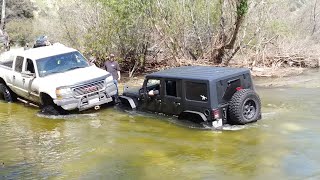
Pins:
x,y
23,80
158,100
177,103
14,77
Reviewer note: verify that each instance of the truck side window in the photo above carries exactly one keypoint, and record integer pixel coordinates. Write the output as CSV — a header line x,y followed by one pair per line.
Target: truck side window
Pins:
x,y
18,64
196,91
30,66
171,88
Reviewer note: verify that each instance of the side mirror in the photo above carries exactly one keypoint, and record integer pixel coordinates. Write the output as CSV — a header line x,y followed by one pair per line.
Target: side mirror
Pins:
x,y
140,91
28,74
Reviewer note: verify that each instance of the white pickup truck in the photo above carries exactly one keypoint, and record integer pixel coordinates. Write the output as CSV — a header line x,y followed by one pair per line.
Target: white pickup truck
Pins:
x,y
57,78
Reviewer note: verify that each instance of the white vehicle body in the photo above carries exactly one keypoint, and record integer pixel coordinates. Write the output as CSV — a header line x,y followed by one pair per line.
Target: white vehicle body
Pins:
x,y
28,74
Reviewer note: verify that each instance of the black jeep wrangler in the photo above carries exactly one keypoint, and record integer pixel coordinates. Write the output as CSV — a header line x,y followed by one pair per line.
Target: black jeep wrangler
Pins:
x,y
210,95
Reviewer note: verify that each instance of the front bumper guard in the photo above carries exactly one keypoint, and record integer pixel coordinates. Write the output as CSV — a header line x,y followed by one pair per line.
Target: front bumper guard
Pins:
x,y
84,102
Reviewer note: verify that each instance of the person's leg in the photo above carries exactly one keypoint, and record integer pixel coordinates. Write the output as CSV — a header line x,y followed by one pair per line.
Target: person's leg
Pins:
x,y
116,97
116,83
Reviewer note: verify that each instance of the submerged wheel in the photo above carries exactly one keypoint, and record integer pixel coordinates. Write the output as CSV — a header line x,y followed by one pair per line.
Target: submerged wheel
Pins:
x,y
6,94
244,107
50,110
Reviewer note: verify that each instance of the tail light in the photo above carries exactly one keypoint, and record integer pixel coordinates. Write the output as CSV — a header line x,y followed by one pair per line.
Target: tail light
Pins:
x,y
216,114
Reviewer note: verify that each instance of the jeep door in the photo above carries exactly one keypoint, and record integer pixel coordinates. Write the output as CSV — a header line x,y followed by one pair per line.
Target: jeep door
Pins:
x,y
196,95
152,95
171,101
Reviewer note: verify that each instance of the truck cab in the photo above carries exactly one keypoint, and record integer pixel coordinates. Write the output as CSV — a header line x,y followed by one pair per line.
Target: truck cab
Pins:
x,y
57,78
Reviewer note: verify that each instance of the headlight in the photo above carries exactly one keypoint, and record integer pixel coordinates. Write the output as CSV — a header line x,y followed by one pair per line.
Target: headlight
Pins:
x,y
108,81
63,92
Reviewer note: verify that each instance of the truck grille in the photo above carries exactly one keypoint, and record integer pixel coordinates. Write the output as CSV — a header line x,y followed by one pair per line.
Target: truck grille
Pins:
x,y
88,88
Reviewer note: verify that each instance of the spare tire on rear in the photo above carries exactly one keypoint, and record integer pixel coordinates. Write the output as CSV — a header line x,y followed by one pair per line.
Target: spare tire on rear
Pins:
x,y
244,107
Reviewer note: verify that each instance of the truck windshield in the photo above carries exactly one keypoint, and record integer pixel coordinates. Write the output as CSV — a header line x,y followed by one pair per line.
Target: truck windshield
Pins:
x,y
61,63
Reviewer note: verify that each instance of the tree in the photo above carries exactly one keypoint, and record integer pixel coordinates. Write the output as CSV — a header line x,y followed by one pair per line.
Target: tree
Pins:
x,y
224,46
19,31
17,9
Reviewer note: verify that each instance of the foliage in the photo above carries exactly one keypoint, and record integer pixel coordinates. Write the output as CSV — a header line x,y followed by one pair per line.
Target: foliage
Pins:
x,y
17,9
144,34
20,31
242,7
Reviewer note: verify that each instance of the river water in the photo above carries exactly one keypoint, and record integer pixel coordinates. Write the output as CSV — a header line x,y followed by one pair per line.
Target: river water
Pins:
x,y
112,144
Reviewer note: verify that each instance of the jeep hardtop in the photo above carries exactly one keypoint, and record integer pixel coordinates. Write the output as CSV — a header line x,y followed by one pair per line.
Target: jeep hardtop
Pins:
x,y
210,95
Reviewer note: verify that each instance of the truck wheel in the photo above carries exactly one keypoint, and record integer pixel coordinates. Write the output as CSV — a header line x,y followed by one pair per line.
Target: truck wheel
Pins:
x,y
244,107
6,94
51,110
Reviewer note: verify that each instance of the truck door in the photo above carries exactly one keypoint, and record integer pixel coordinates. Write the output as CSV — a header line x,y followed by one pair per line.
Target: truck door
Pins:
x,y
171,101
17,83
23,76
28,77
152,95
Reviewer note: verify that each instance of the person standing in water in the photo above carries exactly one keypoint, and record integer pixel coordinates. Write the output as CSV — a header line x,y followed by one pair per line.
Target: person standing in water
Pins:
x,y
113,68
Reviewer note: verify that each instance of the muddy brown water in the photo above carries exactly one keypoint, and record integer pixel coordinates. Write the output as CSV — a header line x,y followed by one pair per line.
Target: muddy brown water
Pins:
x,y
112,144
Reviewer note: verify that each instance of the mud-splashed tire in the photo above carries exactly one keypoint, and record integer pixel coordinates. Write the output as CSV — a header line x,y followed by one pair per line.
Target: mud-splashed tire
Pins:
x,y
48,107
244,107
52,110
6,94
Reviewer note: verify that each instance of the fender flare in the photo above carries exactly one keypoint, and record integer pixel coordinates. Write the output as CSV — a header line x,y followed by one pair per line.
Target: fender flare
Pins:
x,y
2,81
201,115
130,100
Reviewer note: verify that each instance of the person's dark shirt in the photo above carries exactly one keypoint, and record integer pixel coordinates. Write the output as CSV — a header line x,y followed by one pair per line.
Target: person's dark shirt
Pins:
x,y
112,67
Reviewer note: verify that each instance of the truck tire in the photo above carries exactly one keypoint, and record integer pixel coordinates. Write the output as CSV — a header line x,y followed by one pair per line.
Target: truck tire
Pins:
x,y
50,110
244,107
6,94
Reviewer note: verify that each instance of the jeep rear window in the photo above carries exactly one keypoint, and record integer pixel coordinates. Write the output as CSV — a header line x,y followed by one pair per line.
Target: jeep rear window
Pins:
x,y
196,91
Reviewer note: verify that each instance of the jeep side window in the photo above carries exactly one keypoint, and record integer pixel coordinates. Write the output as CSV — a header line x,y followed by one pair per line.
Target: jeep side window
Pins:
x,y
196,91
153,87
30,66
171,88
18,64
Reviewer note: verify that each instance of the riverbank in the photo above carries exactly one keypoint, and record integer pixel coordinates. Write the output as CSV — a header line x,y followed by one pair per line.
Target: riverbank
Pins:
x,y
266,77
277,72
305,79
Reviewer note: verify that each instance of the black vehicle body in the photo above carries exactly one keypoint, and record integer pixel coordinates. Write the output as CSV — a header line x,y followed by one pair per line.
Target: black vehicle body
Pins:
x,y
215,95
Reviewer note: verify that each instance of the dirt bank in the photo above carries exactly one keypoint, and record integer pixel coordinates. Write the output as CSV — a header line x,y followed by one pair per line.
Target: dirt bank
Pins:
x,y
277,72
266,77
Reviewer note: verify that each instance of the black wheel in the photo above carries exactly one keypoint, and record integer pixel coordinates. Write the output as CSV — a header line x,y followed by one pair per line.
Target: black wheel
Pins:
x,y
244,107
50,110
6,94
